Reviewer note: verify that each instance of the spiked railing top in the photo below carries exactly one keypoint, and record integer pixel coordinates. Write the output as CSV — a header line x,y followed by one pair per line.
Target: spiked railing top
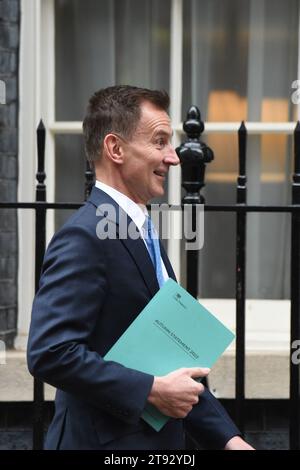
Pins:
x,y
242,135
41,137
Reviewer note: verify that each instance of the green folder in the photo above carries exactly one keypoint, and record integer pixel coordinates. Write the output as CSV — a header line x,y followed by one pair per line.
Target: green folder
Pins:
x,y
174,330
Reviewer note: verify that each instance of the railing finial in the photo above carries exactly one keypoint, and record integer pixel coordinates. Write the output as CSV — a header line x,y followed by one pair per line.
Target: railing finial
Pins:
x,y
194,155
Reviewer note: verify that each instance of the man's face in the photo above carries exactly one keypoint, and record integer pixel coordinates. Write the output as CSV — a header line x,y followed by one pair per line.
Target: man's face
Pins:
x,y
148,155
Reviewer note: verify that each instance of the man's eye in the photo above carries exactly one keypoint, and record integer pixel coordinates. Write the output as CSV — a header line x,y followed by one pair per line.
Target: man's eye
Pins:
x,y
161,142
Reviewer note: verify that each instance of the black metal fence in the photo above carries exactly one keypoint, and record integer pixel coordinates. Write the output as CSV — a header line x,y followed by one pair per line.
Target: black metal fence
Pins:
x,y
194,156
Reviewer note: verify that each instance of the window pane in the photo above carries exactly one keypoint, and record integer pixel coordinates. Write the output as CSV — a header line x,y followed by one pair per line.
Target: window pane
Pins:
x,y
240,58
101,43
69,173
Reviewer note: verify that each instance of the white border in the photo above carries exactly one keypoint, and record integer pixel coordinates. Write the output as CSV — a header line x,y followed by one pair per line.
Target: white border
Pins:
x,y
47,97
36,92
174,182
75,127
29,107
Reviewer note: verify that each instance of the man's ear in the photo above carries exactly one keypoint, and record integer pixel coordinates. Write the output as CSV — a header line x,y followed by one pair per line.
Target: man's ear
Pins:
x,y
113,147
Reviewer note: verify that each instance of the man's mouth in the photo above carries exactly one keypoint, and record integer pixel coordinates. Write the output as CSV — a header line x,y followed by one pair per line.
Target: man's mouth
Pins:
x,y
163,174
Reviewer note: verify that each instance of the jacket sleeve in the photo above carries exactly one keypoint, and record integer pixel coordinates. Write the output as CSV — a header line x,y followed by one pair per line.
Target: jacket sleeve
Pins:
x,y
209,423
72,291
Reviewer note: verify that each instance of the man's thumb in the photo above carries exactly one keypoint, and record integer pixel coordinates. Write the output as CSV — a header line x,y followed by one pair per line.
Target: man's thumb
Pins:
x,y
199,371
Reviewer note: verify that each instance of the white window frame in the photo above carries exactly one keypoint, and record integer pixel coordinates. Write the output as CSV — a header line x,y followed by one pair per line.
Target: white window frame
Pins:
x,y
37,99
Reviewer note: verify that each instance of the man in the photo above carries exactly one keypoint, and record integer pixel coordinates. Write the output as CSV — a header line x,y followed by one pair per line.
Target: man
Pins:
x,y
93,286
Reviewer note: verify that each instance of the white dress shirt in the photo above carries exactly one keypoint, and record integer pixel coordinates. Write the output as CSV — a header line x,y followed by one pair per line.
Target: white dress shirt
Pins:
x,y
137,212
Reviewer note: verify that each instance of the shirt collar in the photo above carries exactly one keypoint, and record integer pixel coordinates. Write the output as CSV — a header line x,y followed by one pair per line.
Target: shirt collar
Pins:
x,y
137,212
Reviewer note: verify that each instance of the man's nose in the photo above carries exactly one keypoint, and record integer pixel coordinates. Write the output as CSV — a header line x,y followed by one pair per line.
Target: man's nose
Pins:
x,y
171,157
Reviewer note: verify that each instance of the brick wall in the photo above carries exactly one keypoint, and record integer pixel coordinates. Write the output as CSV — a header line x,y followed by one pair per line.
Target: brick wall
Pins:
x,y
9,49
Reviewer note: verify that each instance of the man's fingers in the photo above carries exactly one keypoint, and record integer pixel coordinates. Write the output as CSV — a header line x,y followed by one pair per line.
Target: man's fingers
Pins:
x,y
195,372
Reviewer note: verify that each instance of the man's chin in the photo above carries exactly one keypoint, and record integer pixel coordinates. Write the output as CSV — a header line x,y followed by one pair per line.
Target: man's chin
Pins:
x,y
158,193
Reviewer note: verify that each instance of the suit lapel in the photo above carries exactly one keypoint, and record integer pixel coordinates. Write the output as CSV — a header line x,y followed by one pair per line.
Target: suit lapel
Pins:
x,y
136,248
140,255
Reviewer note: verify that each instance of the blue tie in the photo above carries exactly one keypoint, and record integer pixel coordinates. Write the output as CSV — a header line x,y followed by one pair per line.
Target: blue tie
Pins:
x,y
152,242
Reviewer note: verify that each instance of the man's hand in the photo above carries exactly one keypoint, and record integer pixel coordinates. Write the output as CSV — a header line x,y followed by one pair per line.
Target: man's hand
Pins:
x,y
175,394
237,443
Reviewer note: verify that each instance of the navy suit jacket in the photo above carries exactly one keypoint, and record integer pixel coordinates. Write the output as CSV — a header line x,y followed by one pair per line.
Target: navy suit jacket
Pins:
x,y
91,289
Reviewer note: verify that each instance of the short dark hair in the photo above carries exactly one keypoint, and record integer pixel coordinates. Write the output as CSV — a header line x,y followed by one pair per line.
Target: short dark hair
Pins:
x,y
116,109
